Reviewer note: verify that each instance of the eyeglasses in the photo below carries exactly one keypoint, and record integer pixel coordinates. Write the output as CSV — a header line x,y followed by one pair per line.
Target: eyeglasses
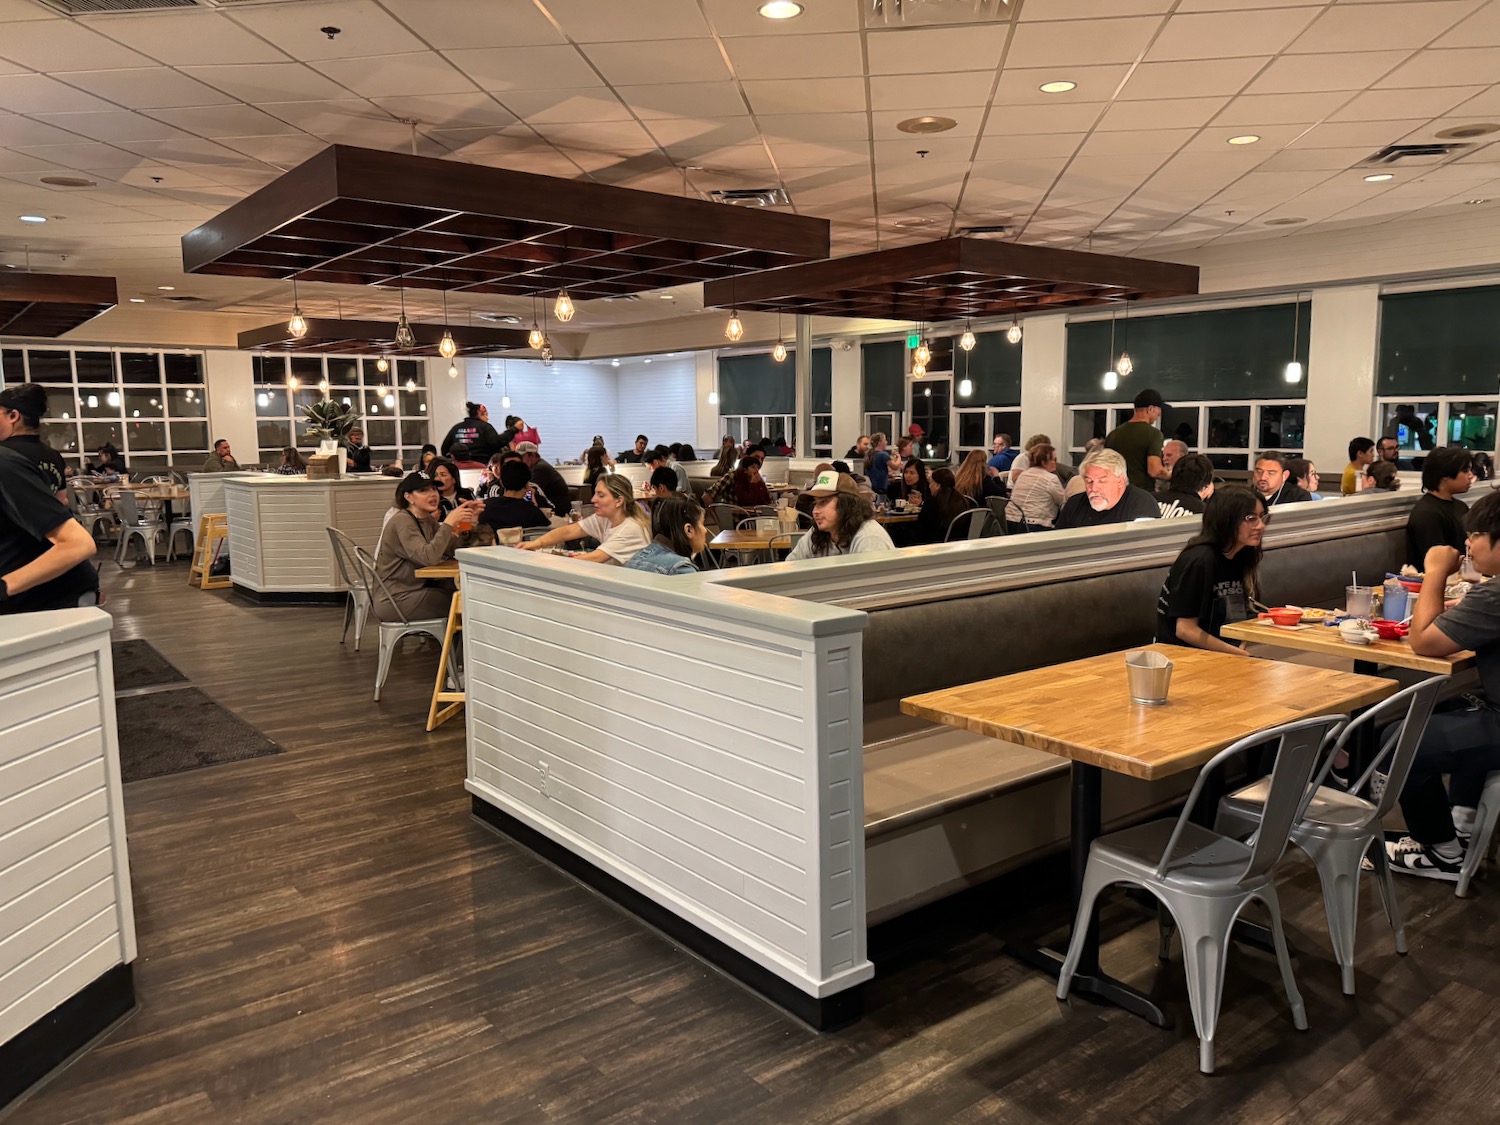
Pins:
x,y
1257,518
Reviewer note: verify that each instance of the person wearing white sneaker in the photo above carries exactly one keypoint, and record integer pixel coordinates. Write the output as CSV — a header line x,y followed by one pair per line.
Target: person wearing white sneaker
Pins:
x,y
1465,745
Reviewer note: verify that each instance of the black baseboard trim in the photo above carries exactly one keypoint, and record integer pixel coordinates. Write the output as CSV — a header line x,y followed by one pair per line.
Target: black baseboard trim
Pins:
x,y
48,1043
290,597
826,1014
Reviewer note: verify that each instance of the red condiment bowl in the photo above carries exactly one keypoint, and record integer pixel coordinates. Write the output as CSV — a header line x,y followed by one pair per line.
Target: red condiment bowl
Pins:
x,y
1283,616
1389,630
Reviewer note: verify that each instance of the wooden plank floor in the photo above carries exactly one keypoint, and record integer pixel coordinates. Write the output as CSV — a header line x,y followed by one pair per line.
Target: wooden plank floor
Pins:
x,y
327,936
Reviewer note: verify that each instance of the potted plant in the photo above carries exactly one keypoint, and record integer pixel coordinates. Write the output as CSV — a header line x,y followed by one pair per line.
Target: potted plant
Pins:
x,y
331,421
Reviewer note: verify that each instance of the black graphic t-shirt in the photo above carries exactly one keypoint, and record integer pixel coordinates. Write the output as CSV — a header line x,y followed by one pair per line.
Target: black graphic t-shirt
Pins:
x,y
1202,584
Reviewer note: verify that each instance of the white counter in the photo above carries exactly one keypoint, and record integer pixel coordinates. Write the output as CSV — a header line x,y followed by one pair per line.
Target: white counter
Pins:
x,y
278,538
67,924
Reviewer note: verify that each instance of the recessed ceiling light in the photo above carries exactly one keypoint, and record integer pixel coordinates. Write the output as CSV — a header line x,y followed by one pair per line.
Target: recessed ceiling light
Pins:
x,y
137,300
666,297
1462,132
1247,139
33,218
167,288
69,181
780,9
1057,87
1379,178
915,221
1288,221
926,124
1472,202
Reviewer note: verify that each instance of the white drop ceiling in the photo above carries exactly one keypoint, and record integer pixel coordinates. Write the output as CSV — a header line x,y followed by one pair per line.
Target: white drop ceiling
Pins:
x,y
177,114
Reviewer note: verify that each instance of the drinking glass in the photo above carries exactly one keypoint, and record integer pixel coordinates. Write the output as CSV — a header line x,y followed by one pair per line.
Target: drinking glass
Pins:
x,y
1358,600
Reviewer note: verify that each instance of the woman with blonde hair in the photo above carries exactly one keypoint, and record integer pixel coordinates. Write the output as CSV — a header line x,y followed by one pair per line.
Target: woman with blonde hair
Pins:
x,y
618,523
976,480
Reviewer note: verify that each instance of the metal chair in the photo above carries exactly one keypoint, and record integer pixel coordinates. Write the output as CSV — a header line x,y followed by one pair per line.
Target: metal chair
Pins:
x,y
785,543
976,523
392,631
357,607
727,516
1204,879
134,525
1336,829
1485,816
996,504
87,503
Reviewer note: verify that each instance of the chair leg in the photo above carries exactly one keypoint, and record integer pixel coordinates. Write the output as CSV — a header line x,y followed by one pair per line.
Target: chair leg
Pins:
x,y
1166,926
1095,880
1479,841
1205,925
387,650
361,618
348,613
1387,888
1267,895
1338,863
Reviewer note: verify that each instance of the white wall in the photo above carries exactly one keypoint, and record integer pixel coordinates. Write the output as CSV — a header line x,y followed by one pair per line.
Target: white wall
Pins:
x,y
658,399
229,384
1340,373
848,398
1044,380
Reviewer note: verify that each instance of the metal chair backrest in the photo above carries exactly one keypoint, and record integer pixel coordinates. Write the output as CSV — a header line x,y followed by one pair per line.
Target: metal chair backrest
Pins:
x,y
1400,745
725,515
531,533
786,542
996,505
976,523
758,523
126,509
374,586
343,554
1297,750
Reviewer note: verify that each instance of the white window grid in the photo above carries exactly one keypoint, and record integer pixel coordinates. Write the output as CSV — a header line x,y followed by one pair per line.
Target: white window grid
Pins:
x,y
757,426
124,411
997,420
891,423
398,396
1440,408
822,425
1121,412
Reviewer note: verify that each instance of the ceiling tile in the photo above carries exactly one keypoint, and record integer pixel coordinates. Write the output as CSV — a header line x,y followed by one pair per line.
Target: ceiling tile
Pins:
x,y
1022,86
1380,105
1168,113
23,162
703,130
1090,9
796,56
919,93
697,99
367,30
222,121
1126,142
1252,110
84,155
37,93
565,106
192,150
55,47
155,87
614,136
1380,27
823,95
395,76
734,158
1351,134
1211,35
735,17
814,126
452,24
526,68
1294,74
823,154
186,37
17,130
115,125
1482,29
1192,79
323,116
639,63
1065,118
268,82
1083,43
1028,146
443,111
1215,138
588,21
1472,65
1301,159
930,50
279,152
1480,106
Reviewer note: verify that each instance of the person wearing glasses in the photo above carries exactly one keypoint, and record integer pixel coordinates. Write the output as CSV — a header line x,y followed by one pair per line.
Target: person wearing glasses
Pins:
x,y
1214,579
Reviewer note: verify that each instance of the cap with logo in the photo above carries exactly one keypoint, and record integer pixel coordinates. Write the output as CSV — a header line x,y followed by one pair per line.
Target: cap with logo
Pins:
x,y
830,483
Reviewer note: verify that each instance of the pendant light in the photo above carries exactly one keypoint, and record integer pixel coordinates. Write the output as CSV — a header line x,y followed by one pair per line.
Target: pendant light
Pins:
x,y
1013,334
778,353
563,310
966,385
405,340
1126,364
1111,377
547,359
411,384
537,337
505,394
447,348
390,400
489,379
1294,368
292,382
323,386
297,326
453,371
918,370
923,355
967,341
382,365
734,331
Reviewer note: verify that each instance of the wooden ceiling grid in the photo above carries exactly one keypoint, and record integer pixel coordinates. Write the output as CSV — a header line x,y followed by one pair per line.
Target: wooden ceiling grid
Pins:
x,y
48,305
374,337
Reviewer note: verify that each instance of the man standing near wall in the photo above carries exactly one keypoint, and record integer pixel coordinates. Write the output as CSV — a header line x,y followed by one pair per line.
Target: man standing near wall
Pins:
x,y
1139,441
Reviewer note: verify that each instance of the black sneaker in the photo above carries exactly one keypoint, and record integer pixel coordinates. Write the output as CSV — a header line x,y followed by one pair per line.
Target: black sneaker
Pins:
x,y
1408,857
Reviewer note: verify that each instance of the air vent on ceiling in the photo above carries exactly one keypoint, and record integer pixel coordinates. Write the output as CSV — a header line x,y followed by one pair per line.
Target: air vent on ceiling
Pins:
x,y
95,7
897,13
185,300
499,318
1394,154
751,197
623,297
982,232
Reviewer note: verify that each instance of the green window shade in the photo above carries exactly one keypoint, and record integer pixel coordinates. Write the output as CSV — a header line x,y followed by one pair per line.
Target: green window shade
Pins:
x,y
757,384
994,366
1225,354
822,380
884,376
1440,343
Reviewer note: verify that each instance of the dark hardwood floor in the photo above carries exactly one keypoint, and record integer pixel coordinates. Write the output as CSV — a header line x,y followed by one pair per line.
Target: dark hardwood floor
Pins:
x,y
328,936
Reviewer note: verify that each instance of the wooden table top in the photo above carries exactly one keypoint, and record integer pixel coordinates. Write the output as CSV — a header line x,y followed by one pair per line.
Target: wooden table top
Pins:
x,y
153,493
448,568
895,517
1082,710
748,539
1325,640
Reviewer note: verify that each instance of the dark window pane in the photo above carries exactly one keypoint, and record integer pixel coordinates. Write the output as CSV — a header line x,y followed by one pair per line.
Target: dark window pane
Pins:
x,y
1228,427
1230,460
1181,423
304,396
307,369
140,367
381,432
270,402
61,436
343,371
96,434
413,434
146,435
95,367
99,402
1413,424
823,431
182,370
411,369
1007,422
1087,424
1472,425
186,402
12,366
413,403
1281,427
272,437
149,463
142,403
268,369
1440,342
49,366
971,430
189,435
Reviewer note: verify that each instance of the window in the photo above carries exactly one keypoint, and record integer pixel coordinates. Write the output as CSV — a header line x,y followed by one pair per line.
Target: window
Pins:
x,y
392,405
753,427
822,443
1423,424
929,409
1229,433
887,424
977,427
150,405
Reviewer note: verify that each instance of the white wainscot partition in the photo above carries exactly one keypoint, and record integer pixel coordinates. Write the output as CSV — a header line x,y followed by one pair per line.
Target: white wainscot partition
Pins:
x,y
700,745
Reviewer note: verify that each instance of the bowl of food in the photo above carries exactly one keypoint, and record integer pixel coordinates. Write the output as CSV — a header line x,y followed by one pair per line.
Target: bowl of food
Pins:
x,y
1389,630
1354,631
1286,615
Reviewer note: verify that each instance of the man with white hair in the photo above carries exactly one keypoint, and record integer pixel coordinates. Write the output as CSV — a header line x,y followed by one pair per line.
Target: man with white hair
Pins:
x,y
1171,450
1108,496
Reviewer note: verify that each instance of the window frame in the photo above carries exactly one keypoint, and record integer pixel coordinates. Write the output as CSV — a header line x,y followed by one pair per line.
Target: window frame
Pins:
x,y
1121,412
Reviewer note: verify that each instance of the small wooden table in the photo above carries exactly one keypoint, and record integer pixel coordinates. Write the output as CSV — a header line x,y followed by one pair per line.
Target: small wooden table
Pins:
x,y
750,539
1325,640
1082,711
895,517
446,702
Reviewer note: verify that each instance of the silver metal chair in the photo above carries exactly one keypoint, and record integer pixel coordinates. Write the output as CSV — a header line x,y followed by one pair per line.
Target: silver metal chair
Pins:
x,y
85,498
133,526
976,523
392,631
996,504
1204,879
1337,829
1480,842
357,607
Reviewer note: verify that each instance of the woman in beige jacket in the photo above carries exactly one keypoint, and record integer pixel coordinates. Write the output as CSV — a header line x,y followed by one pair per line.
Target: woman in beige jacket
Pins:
x,y
414,537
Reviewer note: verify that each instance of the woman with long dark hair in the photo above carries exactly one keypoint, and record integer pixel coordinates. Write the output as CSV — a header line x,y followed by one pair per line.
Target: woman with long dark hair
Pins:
x,y
1214,579
912,485
679,534
945,504
843,521
729,453
596,462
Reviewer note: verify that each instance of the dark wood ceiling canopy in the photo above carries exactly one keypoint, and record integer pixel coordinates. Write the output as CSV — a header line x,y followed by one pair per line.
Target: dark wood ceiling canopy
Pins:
x,y
374,337
355,216
50,304
952,279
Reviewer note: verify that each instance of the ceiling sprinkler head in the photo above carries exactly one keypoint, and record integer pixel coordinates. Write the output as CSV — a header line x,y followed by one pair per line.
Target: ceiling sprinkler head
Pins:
x,y
332,32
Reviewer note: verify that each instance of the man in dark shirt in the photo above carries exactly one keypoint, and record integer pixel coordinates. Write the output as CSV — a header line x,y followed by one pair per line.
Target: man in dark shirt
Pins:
x,y
636,455
547,478
1275,483
511,508
22,409
860,449
1139,441
1191,485
1107,496
357,453
1437,519
1389,449
44,552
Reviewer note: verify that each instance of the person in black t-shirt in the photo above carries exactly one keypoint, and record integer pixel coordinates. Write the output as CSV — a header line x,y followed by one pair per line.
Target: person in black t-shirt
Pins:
x,y
44,552
1190,488
1107,496
511,508
1213,581
22,409
357,453
1274,482
475,433
1437,519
